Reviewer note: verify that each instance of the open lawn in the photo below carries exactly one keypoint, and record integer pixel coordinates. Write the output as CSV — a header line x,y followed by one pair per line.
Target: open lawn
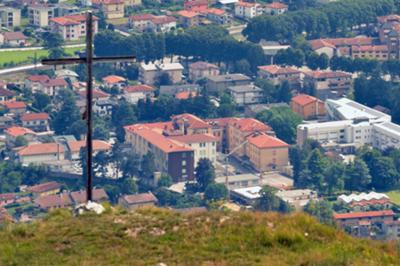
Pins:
x,y
19,57
394,196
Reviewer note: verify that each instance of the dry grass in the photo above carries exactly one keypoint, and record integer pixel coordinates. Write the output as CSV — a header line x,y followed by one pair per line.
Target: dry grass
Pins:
x,y
151,236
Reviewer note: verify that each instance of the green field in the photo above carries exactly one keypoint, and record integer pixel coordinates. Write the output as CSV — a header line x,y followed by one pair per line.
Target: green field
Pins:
x,y
394,196
19,57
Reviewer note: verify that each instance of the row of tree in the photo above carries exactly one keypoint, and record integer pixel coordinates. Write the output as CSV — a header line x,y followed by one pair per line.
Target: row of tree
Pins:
x,y
335,18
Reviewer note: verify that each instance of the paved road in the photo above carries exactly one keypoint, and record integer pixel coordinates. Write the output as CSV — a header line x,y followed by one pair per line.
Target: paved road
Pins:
x,y
19,69
38,47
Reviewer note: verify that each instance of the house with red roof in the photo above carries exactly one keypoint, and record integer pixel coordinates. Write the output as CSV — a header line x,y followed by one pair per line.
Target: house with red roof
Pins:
x,y
328,84
72,27
247,10
149,22
14,39
44,189
39,153
307,106
45,84
99,195
185,95
200,69
5,95
36,121
14,107
275,8
74,147
277,74
114,80
138,200
34,82
188,18
50,202
378,52
13,132
321,46
135,93
111,8
218,16
7,198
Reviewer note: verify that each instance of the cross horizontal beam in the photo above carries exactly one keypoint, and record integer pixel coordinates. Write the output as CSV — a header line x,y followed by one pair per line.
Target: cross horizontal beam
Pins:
x,y
78,60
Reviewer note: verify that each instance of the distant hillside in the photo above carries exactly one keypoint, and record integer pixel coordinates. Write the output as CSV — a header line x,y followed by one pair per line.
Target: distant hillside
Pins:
x,y
152,236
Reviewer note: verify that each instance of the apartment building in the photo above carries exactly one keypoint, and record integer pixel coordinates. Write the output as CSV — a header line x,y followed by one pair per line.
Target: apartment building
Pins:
x,y
200,69
36,121
275,8
327,84
149,22
267,153
148,73
246,94
307,106
72,27
112,8
188,18
10,17
277,74
220,83
218,16
40,15
247,10
377,52
40,153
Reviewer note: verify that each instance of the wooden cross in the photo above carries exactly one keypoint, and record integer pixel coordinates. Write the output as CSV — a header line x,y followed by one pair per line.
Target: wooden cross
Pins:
x,y
88,61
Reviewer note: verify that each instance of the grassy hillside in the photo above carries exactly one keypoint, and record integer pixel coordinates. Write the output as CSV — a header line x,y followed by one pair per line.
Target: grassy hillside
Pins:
x,y
151,236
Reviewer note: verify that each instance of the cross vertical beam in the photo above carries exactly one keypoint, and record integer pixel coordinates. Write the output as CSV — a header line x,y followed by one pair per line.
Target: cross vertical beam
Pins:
x,y
88,60
89,98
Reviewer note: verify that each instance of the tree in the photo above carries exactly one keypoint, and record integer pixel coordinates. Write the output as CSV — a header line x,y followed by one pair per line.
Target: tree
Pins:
x,y
20,141
148,166
122,114
268,201
130,165
53,42
384,173
215,192
283,121
163,79
334,177
284,92
357,176
227,106
41,101
205,173
165,181
129,186
322,210
66,114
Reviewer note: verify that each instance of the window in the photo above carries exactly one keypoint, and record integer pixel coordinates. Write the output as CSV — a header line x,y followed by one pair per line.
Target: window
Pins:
x,y
183,171
183,163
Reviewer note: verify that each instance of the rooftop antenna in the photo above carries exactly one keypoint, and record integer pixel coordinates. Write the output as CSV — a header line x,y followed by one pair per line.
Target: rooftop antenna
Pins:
x,y
88,60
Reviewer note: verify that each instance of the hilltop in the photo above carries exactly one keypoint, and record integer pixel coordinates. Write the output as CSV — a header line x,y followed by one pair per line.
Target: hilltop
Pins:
x,y
151,236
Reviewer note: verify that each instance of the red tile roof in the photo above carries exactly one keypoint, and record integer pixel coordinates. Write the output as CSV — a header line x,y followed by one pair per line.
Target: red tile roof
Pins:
x,y
355,215
18,131
14,105
96,94
319,43
80,196
141,17
275,69
139,88
184,95
187,14
370,48
64,21
7,196
202,65
14,36
139,198
113,79
58,82
34,116
195,138
245,4
41,148
38,78
220,122
54,201
276,5
265,142
163,19
250,124
215,11
98,145
350,41
5,92
327,74
192,121
44,187
304,99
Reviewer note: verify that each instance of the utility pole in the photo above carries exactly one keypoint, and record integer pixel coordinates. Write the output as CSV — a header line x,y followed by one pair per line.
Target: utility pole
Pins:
x,y
88,60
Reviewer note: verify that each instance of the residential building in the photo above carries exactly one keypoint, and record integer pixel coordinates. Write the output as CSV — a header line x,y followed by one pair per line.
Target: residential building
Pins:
x,y
98,194
6,95
195,5
149,73
277,74
275,8
14,131
66,9
386,135
267,153
239,181
185,95
138,92
39,15
297,198
34,82
343,46
15,39
247,10
133,2
149,22
219,129
97,95
74,148
72,27
36,121
220,83
138,200
112,8
10,17
44,189
321,46
113,80
200,69
40,153
308,107
50,202
5,122
248,196
246,94
239,131
328,84
371,224
171,157
6,199
14,107
172,90
218,16
51,86
378,52
188,18
103,107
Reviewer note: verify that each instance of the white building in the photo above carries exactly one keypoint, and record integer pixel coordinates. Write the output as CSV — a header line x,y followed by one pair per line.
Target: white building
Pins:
x,y
246,94
148,73
247,10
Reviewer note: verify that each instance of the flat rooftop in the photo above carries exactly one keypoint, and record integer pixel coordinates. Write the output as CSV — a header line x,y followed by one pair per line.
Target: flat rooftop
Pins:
x,y
349,109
